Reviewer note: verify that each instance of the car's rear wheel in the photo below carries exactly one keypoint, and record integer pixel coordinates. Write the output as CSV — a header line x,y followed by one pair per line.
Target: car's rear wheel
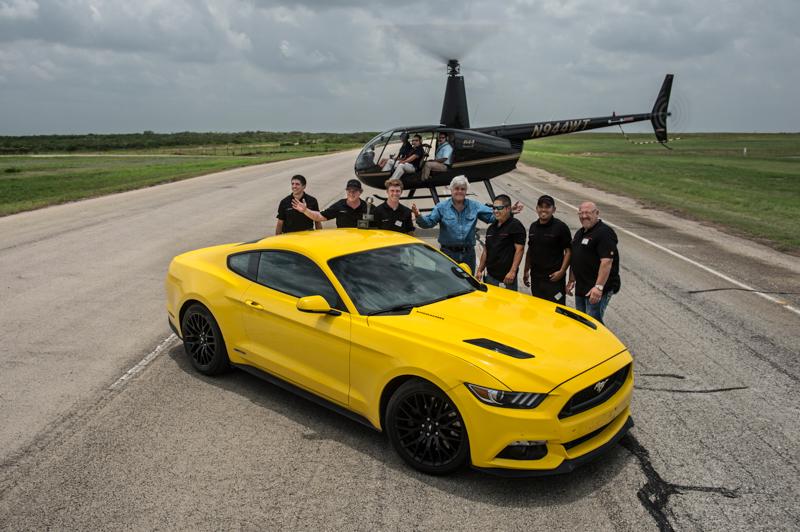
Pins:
x,y
426,429
202,341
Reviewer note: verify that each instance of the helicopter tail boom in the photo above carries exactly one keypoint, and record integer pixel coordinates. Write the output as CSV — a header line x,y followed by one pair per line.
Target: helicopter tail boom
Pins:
x,y
658,117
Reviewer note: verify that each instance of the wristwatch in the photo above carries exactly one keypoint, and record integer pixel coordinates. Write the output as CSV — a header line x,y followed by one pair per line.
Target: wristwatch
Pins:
x,y
599,287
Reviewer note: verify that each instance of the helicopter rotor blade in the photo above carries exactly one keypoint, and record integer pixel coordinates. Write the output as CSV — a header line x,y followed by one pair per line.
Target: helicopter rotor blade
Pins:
x,y
445,41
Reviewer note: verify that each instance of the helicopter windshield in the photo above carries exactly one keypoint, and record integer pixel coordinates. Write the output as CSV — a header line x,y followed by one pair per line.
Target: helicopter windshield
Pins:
x,y
380,150
369,157
379,153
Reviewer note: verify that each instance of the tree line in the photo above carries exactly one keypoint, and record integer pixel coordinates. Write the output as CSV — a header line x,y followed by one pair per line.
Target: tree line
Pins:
x,y
150,140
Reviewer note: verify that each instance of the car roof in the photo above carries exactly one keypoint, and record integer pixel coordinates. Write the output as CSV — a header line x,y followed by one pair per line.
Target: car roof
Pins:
x,y
325,244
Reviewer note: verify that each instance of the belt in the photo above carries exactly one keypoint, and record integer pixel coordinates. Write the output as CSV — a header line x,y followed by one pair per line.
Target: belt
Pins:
x,y
456,248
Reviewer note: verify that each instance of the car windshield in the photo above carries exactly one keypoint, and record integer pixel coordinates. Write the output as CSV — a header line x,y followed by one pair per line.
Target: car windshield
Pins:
x,y
395,279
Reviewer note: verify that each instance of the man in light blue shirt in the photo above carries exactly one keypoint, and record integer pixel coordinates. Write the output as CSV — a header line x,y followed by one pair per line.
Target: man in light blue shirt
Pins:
x,y
457,218
444,157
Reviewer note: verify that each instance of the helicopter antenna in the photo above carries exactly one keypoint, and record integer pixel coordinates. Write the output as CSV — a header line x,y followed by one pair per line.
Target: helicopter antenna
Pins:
x,y
509,114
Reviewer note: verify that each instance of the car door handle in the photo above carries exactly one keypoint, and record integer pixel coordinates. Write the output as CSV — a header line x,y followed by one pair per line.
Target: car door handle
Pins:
x,y
253,304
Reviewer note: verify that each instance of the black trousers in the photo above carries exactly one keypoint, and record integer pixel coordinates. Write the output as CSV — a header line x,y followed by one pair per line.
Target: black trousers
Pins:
x,y
551,291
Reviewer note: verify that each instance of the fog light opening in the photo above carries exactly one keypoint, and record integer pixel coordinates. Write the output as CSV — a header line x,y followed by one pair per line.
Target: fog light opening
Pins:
x,y
524,450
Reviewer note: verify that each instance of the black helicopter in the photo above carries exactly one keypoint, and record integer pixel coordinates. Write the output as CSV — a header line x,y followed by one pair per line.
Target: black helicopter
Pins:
x,y
483,153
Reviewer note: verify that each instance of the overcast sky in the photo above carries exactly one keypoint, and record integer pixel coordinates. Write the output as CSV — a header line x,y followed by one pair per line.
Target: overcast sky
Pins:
x,y
104,66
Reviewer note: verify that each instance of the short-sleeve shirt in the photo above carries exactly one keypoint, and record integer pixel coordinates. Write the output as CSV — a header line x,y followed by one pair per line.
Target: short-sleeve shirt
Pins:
x,y
294,220
345,215
546,245
419,151
405,150
445,151
588,247
393,219
500,246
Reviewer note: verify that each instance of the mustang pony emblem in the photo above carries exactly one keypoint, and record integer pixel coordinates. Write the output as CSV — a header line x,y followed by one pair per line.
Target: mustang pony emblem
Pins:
x,y
600,385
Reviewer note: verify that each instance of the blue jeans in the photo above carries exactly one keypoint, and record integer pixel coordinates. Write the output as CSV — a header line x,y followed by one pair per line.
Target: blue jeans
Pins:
x,y
597,310
488,279
466,256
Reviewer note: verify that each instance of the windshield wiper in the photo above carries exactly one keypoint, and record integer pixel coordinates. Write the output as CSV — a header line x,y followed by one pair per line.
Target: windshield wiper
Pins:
x,y
396,308
461,274
448,296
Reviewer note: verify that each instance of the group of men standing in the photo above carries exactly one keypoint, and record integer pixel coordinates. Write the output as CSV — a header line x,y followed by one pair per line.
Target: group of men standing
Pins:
x,y
557,264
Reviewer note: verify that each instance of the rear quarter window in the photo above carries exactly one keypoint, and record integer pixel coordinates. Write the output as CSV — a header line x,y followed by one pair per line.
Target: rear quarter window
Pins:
x,y
244,264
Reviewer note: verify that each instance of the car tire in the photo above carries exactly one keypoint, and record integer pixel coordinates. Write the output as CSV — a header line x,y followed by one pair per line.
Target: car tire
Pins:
x,y
203,342
426,429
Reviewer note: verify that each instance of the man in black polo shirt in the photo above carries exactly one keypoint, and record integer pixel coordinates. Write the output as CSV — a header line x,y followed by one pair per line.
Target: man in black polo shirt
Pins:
x,y
412,162
548,254
391,214
289,220
347,211
594,269
505,244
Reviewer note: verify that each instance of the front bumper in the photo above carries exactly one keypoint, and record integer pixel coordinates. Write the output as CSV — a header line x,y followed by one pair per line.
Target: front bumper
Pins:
x,y
567,466
570,441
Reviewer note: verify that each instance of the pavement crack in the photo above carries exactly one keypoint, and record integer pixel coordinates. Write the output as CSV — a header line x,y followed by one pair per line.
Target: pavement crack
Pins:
x,y
656,492
735,288
669,375
673,390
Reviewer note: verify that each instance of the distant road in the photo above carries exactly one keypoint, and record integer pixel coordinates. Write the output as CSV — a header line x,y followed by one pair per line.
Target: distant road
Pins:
x,y
716,443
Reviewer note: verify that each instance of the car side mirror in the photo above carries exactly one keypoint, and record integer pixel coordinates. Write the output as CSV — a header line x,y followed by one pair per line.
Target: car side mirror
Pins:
x,y
316,305
465,267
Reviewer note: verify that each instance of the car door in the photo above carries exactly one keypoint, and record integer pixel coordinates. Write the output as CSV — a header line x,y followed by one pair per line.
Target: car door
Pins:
x,y
311,350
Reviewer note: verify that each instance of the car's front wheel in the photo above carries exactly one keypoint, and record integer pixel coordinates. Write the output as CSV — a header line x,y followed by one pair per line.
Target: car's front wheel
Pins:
x,y
426,429
202,341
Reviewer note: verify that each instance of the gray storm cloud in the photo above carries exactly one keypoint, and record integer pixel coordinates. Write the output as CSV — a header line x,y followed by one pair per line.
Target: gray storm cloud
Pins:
x,y
229,65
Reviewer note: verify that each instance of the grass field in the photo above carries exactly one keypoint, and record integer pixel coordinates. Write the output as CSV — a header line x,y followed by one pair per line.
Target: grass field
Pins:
x,y
30,182
706,177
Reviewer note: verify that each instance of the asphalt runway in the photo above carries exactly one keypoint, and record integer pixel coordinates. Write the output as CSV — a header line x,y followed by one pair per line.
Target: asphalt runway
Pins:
x,y
105,425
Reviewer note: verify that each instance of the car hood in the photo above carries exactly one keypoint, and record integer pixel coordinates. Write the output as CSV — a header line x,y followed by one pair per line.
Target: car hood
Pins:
x,y
562,347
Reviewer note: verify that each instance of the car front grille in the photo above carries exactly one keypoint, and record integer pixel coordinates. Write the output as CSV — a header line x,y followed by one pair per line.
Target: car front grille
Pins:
x,y
595,394
587,437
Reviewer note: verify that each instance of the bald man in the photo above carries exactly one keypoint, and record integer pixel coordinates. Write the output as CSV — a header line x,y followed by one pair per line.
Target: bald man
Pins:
x,y
594,266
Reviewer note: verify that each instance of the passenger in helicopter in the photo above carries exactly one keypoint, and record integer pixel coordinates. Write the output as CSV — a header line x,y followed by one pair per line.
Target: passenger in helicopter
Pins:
x,y
387,163
411,163
444,157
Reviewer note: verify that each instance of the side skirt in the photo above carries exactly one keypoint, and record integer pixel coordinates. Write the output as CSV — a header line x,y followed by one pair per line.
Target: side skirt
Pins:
x,y
289,387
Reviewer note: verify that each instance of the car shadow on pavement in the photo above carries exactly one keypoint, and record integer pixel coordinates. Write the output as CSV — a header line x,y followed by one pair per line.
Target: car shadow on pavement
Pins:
x,y
317,423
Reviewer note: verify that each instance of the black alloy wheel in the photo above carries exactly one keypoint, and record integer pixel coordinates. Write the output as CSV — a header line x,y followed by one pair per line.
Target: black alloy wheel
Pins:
x,y
202,341
426,429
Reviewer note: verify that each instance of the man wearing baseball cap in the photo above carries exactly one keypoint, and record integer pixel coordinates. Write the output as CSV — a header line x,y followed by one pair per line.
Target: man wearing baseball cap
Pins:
x,y
347,211
549,252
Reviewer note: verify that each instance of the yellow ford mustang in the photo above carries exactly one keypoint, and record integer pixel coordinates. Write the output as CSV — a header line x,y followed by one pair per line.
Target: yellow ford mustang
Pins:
x,y
388,331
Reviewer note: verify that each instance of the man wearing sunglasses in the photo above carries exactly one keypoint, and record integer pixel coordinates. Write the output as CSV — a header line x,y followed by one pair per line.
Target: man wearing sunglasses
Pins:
x,y
457,218
505,244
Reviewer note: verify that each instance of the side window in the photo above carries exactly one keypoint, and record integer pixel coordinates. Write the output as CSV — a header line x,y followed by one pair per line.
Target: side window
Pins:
x,y
245,264
295,275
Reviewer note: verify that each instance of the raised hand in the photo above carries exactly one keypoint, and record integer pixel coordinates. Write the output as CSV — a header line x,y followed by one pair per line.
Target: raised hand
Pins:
x,y
299,205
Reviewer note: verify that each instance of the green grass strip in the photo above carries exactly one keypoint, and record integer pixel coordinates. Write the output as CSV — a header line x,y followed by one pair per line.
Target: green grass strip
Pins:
x,y
706,177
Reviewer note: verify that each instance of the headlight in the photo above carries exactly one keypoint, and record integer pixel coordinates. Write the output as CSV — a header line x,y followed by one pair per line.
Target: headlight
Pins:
x,y
506,399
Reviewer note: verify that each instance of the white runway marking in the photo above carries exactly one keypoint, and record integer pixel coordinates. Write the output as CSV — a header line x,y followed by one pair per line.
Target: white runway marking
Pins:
x,y
686,259
160,348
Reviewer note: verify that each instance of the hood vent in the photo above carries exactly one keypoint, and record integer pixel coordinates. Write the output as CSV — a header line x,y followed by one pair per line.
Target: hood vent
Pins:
x,y
491,345
577,317
431,315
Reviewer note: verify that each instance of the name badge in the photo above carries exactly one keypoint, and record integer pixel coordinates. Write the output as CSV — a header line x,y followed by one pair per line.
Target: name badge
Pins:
x,y
585,241
398,223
